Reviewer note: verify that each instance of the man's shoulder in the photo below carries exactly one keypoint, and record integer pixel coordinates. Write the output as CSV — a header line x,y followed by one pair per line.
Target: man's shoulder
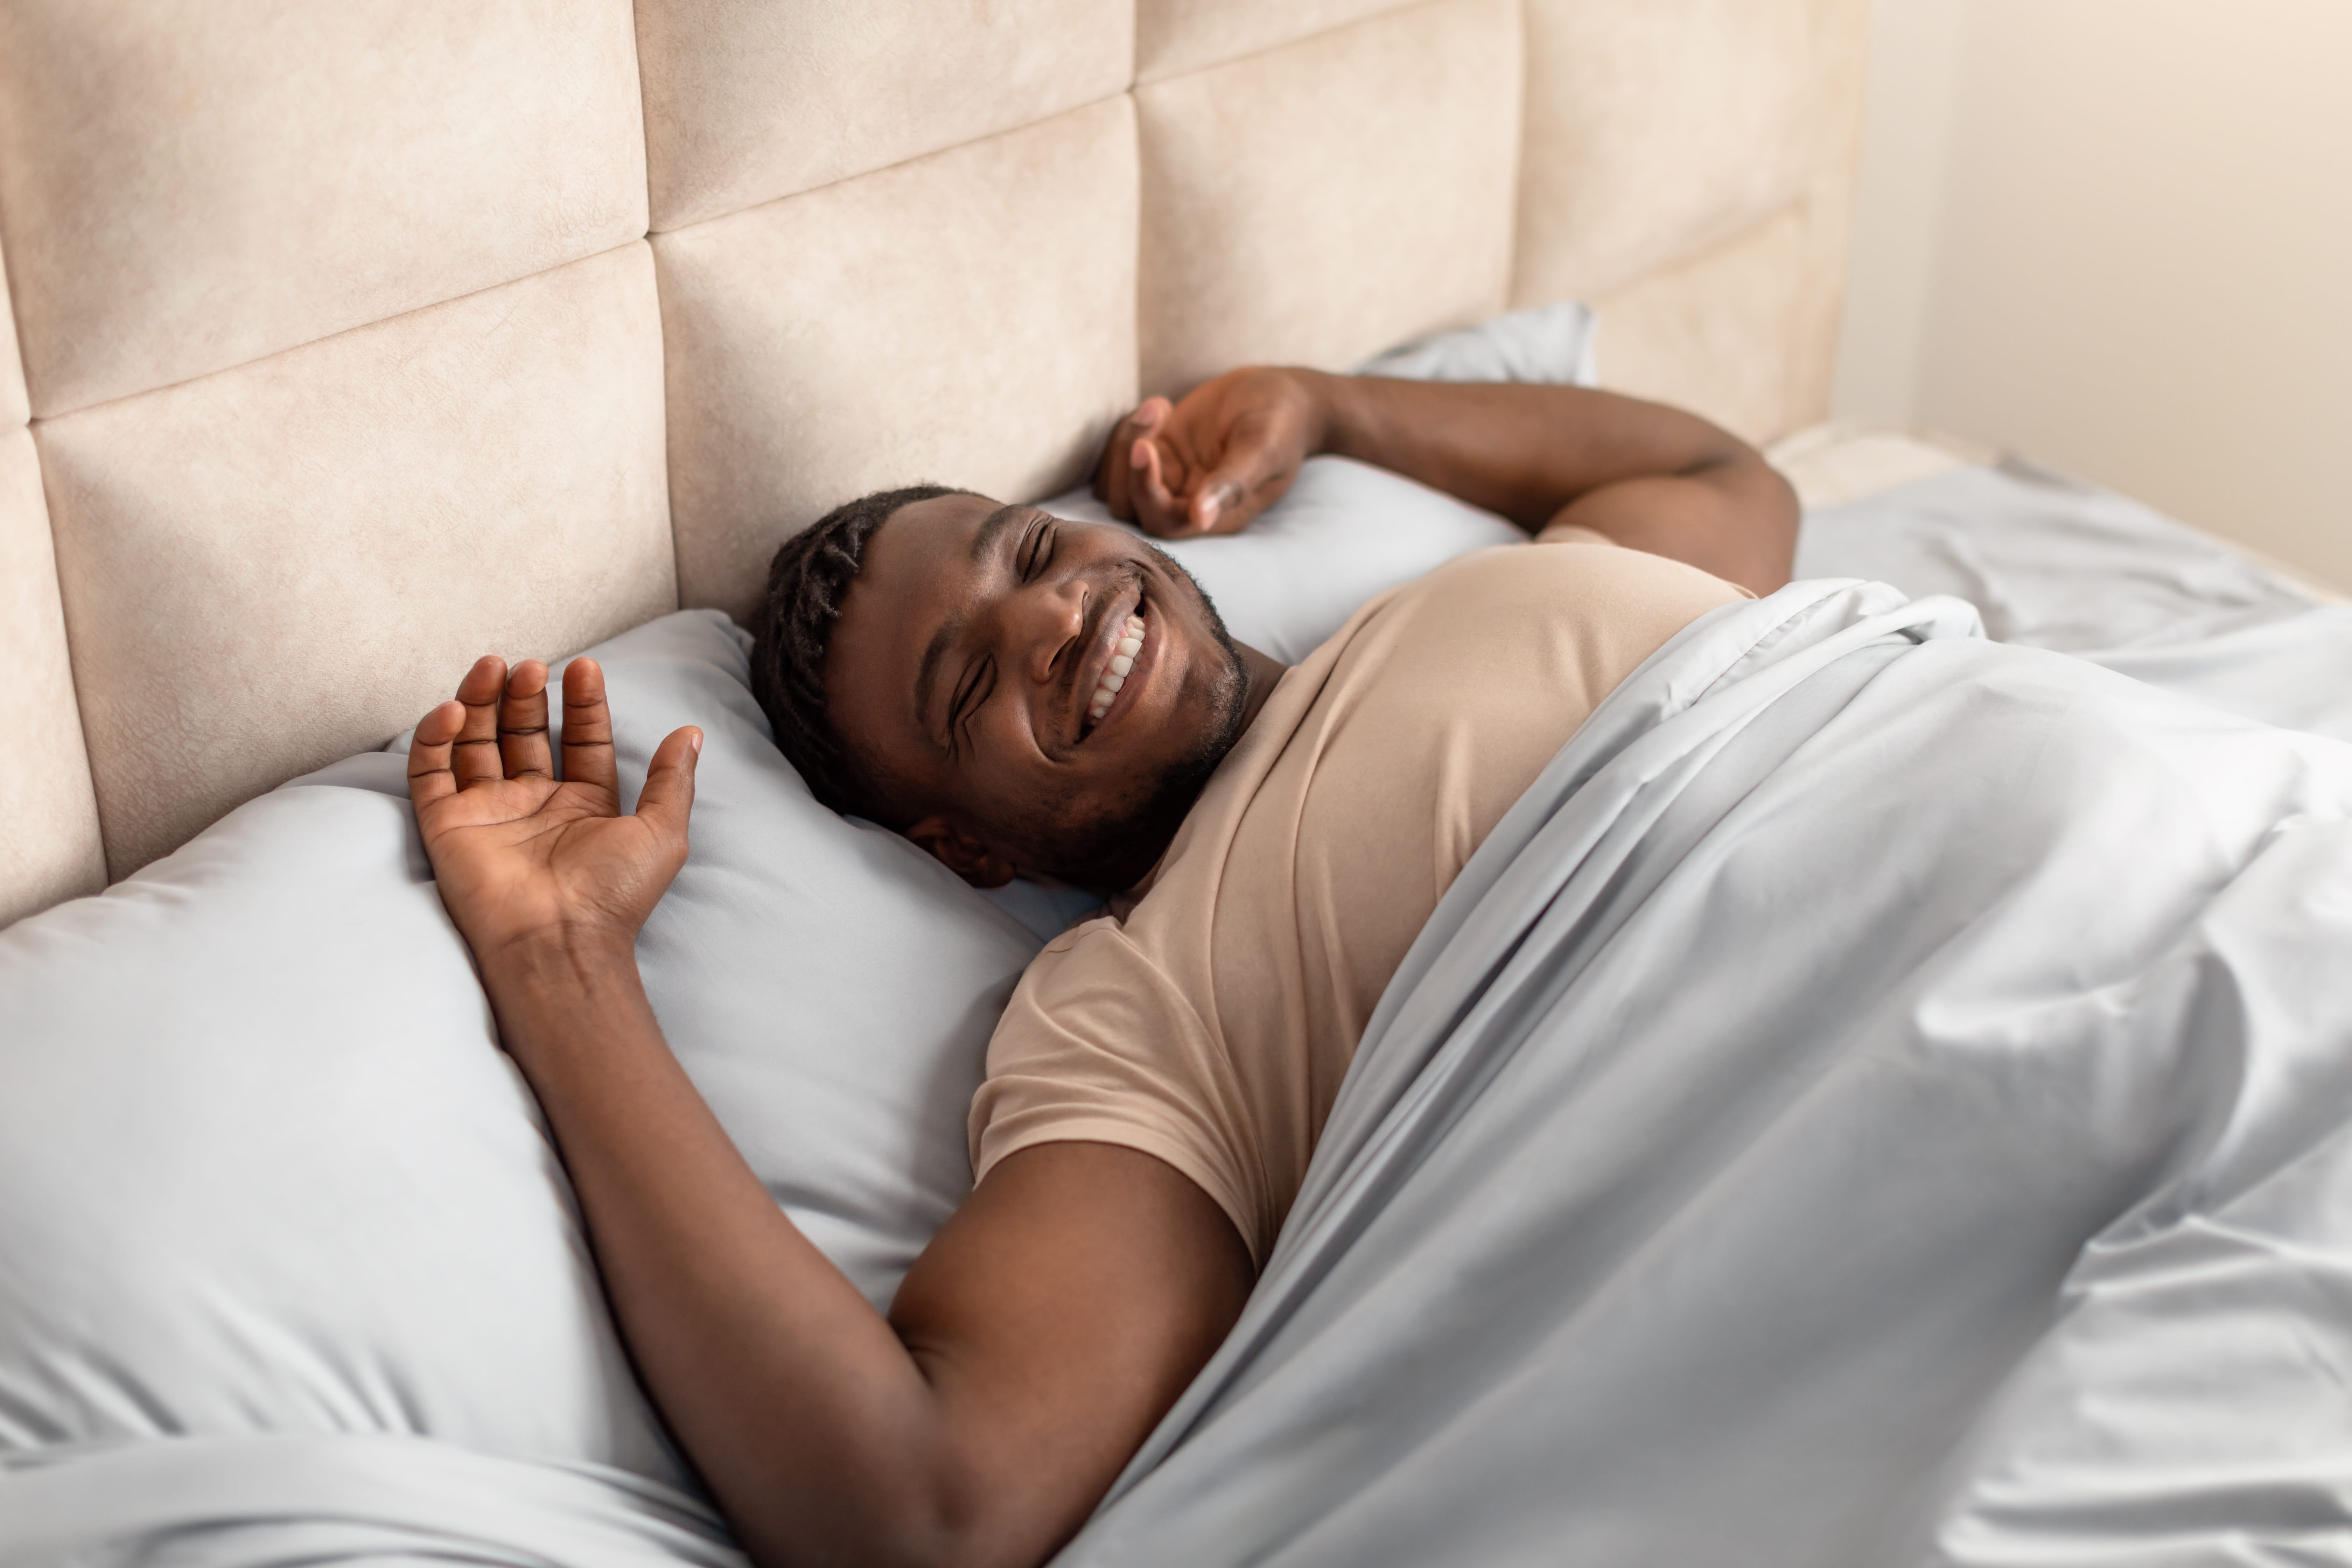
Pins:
x,y
1490,588
1097,962
1573,554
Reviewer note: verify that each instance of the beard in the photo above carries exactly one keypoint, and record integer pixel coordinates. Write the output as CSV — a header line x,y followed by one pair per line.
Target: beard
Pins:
x,y
1114,849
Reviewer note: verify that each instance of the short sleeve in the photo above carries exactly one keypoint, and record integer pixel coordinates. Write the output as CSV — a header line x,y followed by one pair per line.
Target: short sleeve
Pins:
x,y
1098,1046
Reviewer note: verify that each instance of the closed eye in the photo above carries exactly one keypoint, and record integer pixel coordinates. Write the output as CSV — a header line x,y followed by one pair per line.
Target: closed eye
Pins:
x,y
1037,548
974,689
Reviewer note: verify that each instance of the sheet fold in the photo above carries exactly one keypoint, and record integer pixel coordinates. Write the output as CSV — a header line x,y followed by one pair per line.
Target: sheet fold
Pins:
x,y
1876,1099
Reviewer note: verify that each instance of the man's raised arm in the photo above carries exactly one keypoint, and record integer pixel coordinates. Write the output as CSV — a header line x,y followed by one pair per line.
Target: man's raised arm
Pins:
x,y
1640,474
1049,1324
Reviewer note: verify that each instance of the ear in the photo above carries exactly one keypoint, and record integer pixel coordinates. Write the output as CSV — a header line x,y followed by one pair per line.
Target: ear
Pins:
x,y
961,853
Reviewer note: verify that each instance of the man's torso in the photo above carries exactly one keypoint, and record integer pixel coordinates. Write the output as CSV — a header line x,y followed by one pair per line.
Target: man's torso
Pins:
x,y
1213,1025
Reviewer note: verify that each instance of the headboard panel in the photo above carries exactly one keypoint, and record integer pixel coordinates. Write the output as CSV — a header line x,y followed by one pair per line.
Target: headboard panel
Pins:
x,y
1173,37
351,356
1328,198
48,838
1673,126
1687,168
748,100
50,847
968,317
1721,330
188,187
276,565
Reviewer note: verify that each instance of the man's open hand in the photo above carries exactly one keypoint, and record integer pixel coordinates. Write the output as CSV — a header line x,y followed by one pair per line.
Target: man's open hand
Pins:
x,y
1214,461
521,857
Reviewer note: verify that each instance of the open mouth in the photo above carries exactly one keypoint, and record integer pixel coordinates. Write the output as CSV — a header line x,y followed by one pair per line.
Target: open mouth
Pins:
x,y
1119,669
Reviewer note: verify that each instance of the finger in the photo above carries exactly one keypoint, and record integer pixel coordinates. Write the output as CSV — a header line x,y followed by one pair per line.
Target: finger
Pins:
x,y
429,778
522,723
476,758
1114,476
667,799
1110,478
588,728
1157,510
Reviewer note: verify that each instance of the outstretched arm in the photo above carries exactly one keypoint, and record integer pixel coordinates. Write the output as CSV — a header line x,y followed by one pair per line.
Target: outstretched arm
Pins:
x,y
1039,1337
1640,474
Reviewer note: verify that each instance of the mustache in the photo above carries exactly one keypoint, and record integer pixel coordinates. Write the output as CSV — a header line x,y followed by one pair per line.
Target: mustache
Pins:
x,y
1112,852
1190,585
1114,581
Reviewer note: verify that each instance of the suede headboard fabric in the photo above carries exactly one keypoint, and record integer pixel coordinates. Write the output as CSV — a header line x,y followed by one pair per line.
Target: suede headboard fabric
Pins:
x,y
344,343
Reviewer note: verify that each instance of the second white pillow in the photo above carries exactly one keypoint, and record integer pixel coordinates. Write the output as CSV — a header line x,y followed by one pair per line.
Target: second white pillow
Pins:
x,y
1345,531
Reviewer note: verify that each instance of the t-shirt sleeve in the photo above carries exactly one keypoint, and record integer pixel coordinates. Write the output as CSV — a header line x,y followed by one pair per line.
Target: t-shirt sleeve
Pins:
x,y
1098,1046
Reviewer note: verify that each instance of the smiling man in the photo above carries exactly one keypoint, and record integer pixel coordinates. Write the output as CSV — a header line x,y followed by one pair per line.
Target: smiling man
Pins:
x,y
1021,694
1075,754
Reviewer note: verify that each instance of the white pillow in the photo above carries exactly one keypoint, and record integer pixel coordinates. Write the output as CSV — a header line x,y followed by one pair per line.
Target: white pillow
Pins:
x,y
1552,343
1345,531
263,1169
830,986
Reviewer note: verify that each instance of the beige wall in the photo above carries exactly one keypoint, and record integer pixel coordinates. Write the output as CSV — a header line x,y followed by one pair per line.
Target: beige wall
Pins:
x,y
2117,235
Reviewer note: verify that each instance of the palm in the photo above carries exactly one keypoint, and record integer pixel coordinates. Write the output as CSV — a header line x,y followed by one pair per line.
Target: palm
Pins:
x,y
519,853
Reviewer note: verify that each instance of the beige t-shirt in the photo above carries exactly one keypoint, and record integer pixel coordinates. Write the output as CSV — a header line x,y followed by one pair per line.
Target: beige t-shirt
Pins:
x,y
1212,1027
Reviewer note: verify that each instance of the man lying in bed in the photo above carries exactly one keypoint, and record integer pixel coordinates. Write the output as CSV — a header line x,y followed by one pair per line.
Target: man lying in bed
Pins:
x,y
1020,694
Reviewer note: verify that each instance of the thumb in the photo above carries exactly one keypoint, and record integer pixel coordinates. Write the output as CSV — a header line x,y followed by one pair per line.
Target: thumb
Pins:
x,y
1224,499
1247,479
668,798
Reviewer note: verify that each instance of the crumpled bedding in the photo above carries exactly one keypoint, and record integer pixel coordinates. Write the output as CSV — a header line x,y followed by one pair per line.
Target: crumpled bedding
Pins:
x,y
294,1501
1882,1097
2050,562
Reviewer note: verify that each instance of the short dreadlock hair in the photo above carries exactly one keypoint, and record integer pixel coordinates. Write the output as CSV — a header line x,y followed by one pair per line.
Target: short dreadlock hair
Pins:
x,y
807,582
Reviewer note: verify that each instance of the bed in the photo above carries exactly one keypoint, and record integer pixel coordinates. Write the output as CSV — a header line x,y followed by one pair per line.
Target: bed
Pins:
x,y
347,342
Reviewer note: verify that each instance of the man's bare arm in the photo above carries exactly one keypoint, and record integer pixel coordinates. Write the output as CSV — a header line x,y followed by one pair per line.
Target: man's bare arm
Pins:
x,y
1640,474
1046,1328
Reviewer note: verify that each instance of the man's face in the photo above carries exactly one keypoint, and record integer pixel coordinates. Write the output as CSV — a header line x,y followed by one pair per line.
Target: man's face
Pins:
x,y
963,674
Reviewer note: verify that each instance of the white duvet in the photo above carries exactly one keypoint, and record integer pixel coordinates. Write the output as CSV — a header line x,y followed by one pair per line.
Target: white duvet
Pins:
x,y
1882,1097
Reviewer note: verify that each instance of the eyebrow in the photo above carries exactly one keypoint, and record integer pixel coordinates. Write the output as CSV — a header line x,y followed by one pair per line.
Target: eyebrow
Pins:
x,y
991,529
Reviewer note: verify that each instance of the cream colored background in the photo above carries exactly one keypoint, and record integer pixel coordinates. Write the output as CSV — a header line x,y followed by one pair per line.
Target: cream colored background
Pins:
x,y
2117,235
348,341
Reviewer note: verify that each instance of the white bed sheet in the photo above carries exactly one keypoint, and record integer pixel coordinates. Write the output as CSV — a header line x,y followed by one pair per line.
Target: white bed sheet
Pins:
x,y
2051,563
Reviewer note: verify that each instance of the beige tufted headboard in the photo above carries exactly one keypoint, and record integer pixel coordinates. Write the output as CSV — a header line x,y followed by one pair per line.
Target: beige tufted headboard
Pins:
x,y
361,336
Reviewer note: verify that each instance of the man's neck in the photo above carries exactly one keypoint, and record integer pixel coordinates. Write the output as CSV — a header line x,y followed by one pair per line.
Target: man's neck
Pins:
x,y
1263,672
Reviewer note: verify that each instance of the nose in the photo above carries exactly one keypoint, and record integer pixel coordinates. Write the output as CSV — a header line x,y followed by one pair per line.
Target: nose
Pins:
x,y
1042,622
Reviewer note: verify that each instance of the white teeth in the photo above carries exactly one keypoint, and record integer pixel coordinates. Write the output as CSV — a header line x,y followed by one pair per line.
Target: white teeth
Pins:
x,y
1122,665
